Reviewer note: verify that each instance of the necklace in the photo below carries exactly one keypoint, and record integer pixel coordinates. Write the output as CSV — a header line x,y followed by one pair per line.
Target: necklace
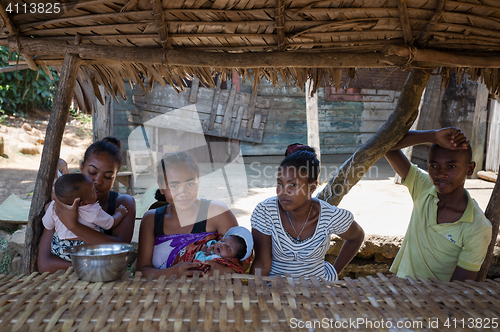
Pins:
x,y
291,223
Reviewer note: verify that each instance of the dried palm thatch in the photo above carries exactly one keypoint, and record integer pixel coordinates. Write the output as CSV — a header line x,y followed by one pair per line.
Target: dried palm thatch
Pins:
x,y
171,40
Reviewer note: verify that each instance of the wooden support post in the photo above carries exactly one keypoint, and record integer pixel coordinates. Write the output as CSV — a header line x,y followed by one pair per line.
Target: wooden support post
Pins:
x,y
391,132
312,118
102,122
252,104
226,122
193,94
493,151
477,141
493,214
215,104
50,156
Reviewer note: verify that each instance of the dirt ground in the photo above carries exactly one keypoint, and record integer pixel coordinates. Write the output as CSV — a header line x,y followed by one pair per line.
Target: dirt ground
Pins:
x,y
379,206
18,171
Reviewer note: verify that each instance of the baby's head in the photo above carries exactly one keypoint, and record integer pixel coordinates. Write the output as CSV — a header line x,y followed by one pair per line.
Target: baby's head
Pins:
x,y
70,186
239,240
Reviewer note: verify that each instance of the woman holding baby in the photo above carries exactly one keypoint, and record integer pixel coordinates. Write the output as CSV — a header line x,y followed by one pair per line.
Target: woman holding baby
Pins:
x,y
187,219
101,163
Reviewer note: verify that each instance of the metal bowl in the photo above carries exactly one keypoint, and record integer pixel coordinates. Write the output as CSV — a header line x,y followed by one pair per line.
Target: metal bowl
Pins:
x,y
100,262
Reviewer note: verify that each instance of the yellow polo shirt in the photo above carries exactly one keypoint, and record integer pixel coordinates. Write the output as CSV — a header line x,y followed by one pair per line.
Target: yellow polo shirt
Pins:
x,y
434,250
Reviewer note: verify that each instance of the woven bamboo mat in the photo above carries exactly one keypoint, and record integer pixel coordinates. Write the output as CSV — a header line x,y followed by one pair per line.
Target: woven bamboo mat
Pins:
x,y
231,302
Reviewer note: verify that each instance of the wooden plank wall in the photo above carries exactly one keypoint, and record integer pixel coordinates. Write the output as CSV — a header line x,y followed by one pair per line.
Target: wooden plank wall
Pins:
x,y
430,114
454,106
122,112
231,111
493,143
344,126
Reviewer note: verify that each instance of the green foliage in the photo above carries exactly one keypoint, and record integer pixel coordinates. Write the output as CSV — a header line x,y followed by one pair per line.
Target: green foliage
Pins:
x,y
25,90
81,117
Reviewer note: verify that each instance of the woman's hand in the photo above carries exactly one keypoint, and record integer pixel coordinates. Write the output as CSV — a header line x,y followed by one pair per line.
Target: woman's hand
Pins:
x,y
68,214
47,262
216,266
353,237
263,253
185,268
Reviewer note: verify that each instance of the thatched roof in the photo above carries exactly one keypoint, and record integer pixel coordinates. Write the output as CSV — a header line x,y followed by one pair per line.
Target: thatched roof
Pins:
x,y
292,39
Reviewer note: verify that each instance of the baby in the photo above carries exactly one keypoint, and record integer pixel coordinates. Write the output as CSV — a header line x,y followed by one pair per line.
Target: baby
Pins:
x,y
231,249
67,188
237,243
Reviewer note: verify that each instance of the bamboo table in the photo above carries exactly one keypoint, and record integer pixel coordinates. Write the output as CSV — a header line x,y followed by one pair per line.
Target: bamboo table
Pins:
x,y
61,302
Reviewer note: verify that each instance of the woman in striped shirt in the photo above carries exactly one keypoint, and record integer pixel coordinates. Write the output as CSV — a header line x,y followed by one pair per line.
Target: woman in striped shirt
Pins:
x,y
292,230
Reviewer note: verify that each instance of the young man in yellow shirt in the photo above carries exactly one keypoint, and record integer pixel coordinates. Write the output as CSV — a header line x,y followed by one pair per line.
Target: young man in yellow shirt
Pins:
x,y
448,234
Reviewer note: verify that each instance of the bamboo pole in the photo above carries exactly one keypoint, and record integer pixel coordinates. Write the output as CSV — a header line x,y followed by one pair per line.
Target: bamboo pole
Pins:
x,y
177,57
50,156
425,34
13,30
391,133
13,68
280,24
445,59
493,214
391,56
405,22
161,22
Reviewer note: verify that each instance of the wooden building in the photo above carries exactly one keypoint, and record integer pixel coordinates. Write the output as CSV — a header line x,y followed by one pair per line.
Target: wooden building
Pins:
x,y
348,117
105,42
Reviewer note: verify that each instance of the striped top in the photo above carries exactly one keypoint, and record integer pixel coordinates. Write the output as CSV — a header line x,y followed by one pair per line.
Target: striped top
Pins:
x,y
305,257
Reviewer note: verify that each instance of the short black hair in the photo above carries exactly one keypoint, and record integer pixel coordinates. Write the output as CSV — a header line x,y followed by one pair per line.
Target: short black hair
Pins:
x,y
107,145
467,152
171,159
67,187
243,246
304,159
159,196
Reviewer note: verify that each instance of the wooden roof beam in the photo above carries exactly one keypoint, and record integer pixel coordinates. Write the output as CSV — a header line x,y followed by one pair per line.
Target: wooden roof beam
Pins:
x,y
391,56
12,30
159,15
179,57
425,34
444,59
280,24
405,22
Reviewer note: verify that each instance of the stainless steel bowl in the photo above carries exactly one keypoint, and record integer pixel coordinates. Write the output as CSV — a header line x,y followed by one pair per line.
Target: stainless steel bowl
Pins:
x,y
100,262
